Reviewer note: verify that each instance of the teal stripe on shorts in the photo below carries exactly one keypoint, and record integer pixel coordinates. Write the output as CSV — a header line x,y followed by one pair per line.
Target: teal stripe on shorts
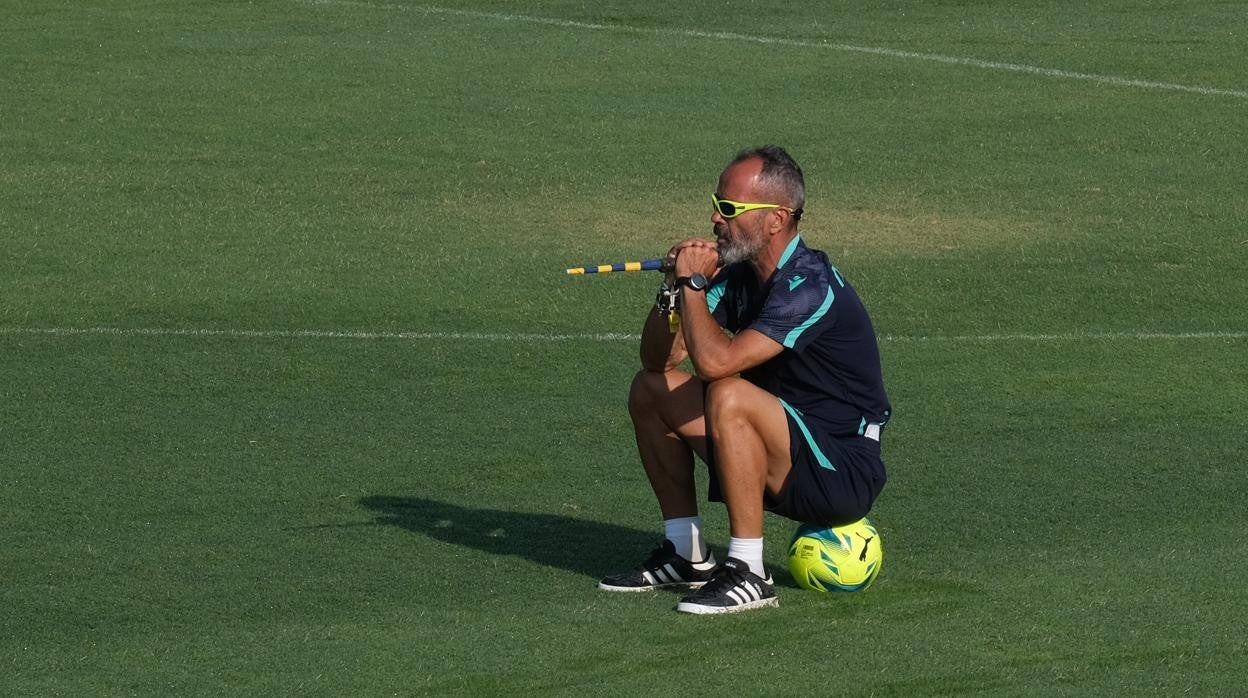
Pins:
x,y
810,440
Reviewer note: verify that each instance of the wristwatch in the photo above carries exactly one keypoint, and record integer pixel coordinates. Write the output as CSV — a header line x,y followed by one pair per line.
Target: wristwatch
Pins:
x,y
696,282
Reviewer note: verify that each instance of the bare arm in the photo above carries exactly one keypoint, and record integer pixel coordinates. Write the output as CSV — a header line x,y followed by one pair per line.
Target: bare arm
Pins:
x,y
661,349
716,355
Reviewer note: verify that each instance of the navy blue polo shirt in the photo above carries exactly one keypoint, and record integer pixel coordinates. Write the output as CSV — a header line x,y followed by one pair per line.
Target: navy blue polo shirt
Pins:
x,y
828,377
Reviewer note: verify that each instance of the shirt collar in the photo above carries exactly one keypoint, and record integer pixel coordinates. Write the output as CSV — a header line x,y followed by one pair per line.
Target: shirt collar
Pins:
x,y
788,251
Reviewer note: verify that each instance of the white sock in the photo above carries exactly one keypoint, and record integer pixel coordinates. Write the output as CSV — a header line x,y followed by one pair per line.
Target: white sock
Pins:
x,y
749,551
686,534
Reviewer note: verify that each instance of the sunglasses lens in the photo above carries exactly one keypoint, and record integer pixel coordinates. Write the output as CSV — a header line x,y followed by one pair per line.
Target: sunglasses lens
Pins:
x,y
726,209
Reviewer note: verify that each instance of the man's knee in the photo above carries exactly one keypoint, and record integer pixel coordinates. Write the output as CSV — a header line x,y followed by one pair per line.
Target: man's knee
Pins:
x,y
643,395
675,397
727,399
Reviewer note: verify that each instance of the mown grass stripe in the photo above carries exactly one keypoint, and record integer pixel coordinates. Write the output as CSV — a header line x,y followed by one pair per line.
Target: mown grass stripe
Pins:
x,y
1111,80
577,337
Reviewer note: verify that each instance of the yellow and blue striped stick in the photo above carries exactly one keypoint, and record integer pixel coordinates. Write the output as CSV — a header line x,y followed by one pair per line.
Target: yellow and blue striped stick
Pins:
x,y
646,265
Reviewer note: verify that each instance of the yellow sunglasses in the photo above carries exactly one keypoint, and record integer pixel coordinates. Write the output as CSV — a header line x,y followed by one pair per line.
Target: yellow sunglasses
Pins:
x,y
732,209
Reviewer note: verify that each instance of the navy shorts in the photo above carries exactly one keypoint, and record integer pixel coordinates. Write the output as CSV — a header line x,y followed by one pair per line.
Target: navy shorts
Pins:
x,y
834,480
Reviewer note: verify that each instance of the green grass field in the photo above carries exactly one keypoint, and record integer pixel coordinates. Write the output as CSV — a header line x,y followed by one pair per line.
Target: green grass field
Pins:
x,y
296,399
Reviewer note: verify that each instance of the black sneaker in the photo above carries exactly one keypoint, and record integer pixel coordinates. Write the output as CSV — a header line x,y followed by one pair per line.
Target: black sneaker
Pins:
x,y
732,588
664,568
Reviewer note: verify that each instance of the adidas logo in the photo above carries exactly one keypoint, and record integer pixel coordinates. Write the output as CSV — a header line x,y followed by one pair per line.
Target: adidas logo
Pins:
x,y
745,593
663,575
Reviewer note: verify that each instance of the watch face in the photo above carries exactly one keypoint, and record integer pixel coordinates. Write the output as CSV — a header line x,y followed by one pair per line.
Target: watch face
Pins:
x,y
697,282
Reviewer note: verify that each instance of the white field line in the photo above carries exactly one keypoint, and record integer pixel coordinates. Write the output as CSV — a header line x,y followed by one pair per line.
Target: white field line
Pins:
x,y
1111,80
531,337
319,334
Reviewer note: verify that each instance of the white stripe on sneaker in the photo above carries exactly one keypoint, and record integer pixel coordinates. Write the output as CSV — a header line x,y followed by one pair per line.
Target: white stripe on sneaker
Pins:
x,y
672,571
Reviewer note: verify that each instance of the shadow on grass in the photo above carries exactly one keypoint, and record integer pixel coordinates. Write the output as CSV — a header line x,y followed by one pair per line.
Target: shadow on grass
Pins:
x,y
591,548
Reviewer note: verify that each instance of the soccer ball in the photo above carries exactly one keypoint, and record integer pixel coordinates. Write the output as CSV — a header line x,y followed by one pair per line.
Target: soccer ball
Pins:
x,y
843,558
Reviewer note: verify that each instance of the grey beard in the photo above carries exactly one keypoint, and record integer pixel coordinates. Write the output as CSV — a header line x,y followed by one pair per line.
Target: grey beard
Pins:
x,y
739,251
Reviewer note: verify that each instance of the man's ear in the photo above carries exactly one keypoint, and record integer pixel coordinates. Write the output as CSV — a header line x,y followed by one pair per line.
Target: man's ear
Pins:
x,y
779,221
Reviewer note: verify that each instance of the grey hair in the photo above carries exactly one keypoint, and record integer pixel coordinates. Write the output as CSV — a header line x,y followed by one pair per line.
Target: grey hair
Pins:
x,y
780,174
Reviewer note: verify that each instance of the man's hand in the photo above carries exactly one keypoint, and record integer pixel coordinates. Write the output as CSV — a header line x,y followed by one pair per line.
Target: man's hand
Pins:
x,y
694,256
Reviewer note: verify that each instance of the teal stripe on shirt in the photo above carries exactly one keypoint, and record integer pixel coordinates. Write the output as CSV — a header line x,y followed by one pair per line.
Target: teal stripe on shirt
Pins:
x,y
791,340
714,294
788,251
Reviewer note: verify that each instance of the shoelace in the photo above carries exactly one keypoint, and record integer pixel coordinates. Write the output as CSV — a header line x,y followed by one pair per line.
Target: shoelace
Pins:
x,y
655,560
725,578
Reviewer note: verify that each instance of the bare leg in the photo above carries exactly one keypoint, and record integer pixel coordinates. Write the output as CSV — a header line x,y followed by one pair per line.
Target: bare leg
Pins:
x,y
751,436
670,425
